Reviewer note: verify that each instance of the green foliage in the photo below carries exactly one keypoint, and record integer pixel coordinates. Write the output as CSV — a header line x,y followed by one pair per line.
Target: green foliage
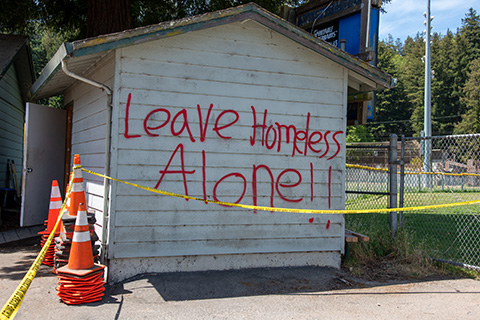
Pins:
x,y
44,42
398,110
359,134
70,17
445,103
413,76
468,74
16,15
390,104
471,118
455,83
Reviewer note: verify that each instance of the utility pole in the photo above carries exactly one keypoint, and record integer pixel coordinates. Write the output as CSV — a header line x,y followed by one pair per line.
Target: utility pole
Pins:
x,y
428,95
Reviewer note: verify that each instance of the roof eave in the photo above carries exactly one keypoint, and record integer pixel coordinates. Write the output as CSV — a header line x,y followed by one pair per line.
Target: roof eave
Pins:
x,y
48,71
248,11
160,31
331,52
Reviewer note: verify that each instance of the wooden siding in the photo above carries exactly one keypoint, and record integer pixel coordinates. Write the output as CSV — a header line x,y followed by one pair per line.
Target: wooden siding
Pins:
x,y
12,117
235,69
89,130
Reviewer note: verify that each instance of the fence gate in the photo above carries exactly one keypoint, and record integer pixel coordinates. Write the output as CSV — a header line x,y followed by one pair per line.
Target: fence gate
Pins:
x,y
436,170
371,183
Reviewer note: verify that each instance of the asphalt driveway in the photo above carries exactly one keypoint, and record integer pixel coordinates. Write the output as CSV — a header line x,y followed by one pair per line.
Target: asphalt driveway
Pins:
x,y
279,293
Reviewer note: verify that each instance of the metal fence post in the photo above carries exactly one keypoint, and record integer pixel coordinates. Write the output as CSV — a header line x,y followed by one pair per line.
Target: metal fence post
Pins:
x,y
402,181
392,170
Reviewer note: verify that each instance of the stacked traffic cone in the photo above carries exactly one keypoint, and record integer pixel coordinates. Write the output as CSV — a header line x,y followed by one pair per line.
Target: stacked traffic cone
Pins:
x,y
81,281
67,207
77,194
64,241
53,212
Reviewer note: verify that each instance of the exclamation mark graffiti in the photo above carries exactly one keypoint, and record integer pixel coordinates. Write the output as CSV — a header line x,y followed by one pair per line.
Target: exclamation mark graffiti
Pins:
x,y
329,186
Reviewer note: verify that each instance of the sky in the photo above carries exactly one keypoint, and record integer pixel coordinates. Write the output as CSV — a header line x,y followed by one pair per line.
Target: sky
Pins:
x,y
405,17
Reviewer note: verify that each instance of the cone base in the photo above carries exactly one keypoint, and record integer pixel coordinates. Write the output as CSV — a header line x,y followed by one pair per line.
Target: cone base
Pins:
x,y
72,293
81,301
75,278
82,272
81,286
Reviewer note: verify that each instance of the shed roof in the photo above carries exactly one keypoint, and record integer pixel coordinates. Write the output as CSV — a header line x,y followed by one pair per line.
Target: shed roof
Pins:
x,y
85,53
15,50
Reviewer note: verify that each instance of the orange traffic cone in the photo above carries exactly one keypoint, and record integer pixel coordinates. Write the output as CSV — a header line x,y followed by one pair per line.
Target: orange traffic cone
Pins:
x,y
67,207
55,206
53,212
81,280
77,195
57,263
81,251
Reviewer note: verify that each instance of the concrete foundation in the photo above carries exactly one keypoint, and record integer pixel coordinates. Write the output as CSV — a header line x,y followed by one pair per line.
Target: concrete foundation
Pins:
x,y
121,269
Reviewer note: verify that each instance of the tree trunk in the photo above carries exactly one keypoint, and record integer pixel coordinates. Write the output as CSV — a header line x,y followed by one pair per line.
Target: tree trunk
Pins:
x,y
108,16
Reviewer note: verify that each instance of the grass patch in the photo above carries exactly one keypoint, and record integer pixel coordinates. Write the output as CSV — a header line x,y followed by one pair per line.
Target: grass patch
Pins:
x,y
417,199
385,259
449,234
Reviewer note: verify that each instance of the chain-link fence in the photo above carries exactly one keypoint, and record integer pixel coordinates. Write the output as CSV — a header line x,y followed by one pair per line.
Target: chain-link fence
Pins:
x,y
437,170
431,170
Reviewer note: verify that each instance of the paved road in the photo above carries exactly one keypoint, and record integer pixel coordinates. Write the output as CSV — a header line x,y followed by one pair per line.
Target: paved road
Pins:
x,y
285,293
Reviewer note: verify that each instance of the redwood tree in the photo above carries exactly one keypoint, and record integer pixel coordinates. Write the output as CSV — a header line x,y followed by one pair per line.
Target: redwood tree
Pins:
x,y
108,16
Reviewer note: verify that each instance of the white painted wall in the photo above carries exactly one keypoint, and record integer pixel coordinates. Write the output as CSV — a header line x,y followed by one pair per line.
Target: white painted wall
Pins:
x,y
231,68
89,130
12,117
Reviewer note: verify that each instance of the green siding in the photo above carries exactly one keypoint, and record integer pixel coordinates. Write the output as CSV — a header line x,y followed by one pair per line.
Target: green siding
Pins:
x,y
12,115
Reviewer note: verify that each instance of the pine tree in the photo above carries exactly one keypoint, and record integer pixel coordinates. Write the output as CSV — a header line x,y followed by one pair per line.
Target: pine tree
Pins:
x,y
471,118
391,105
468,40
445,104
413,74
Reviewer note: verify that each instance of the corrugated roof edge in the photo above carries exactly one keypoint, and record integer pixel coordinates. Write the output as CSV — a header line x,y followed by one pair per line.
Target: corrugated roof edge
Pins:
x,y
171,28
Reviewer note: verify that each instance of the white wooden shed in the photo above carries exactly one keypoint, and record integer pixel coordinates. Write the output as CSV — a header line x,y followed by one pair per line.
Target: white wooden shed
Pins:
x,y
237,106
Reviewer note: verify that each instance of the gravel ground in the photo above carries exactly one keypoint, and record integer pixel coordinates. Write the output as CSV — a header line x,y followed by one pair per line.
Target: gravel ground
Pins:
x,y
279,293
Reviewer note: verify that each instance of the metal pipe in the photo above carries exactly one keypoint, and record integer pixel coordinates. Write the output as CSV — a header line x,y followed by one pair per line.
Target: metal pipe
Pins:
x,y
321,13
369,9
392,170
427,125
402,181
106,182
470,135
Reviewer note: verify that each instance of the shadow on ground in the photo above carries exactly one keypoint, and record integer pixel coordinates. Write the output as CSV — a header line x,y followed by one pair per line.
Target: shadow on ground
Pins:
x,y
240,283
22,258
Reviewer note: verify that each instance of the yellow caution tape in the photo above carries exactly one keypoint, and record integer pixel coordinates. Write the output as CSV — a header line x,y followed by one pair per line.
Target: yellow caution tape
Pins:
x,y
357,166
262,208
10,308
464,174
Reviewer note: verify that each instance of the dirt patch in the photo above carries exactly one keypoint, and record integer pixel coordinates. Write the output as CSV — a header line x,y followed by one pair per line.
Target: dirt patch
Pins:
x,y
394,269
